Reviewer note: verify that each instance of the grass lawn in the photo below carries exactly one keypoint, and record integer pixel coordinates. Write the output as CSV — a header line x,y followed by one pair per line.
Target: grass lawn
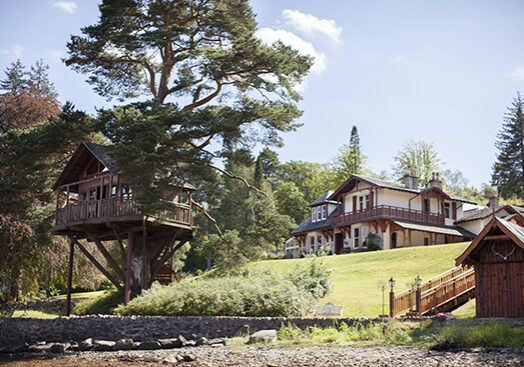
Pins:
x,y
35,314
357,277
466,311
94,294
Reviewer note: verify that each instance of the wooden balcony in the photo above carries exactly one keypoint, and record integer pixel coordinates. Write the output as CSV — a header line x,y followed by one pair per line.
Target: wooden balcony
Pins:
x,y
93,211
387,211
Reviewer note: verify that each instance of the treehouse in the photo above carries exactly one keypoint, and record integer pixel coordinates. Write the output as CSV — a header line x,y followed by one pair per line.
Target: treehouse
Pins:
x,y
95,203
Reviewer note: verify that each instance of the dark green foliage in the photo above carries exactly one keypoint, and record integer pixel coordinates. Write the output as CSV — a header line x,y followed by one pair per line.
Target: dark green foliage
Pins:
x,y
290,201
103,305
258,177
270,163
250,294
508,170
491,334
15,78
372,242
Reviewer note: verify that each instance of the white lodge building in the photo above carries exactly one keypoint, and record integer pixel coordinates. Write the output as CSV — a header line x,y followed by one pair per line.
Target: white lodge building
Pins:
x,y
400,215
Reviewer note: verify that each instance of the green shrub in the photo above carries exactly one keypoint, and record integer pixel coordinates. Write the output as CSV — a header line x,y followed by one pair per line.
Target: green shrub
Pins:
x,y
103,305
245,294
486,335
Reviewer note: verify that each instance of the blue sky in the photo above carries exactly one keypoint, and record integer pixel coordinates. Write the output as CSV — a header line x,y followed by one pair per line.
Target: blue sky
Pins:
x,y
438,71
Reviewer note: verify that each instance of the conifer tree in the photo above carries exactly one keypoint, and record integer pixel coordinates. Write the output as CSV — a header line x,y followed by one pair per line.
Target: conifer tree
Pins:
x,y
259,173
508,170
349,160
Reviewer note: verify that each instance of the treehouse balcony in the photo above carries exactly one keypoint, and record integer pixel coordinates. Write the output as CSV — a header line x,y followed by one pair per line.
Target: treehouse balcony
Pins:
x,y
389,212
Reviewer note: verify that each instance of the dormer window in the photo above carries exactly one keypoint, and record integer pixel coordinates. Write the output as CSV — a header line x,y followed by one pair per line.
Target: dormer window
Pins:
x,y
319,213
324,212
313,214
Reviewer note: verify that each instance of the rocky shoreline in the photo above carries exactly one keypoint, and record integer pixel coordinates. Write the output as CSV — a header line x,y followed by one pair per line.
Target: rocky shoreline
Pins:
x,y
264,356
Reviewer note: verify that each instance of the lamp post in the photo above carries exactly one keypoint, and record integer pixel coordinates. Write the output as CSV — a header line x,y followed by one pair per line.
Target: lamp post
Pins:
x,y
391,297
418,281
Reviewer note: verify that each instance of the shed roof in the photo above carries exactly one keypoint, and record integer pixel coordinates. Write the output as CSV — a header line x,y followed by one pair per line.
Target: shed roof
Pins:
x,y
454,231
512,230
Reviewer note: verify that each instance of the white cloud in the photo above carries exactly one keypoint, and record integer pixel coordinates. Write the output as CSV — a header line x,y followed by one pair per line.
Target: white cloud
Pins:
x,y
269,36
67,6
517,73
56,55
13,52
310,24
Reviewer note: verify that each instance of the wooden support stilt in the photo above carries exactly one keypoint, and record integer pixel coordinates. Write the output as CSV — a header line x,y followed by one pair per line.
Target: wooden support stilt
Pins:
x,y
99,266
127,291
112,262
70,276
166,256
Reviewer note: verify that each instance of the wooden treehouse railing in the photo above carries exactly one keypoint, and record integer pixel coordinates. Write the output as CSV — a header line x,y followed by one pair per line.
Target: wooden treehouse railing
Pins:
x,y
390,212
446,289
106,208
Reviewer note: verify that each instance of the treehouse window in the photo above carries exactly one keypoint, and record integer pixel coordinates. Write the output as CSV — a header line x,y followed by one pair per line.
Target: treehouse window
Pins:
x,y
113,191
93,194
127,192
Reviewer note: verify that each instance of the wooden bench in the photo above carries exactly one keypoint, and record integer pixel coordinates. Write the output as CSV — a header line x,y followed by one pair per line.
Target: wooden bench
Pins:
x,y
329,309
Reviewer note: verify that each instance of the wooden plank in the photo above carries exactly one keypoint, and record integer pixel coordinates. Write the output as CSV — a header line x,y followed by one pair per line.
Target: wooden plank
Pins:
x,y
501,237
70,276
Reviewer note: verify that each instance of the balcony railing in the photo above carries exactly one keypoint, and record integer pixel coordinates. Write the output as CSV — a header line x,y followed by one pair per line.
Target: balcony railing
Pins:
x,y
106,208
390,212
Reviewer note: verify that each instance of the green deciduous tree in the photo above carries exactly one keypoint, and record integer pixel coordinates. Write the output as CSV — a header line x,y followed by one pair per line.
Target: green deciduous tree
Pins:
x,y
508,170
421,157
290,201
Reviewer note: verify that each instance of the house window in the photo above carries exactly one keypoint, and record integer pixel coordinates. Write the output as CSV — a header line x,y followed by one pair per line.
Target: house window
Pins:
x,y
319,213
426,241
364,236
426,208
319,240
324,210
446,210
361,202
356,237
313,214
368,204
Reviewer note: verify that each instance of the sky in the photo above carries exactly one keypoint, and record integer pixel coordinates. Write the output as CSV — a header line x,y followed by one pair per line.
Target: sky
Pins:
x,y
443,72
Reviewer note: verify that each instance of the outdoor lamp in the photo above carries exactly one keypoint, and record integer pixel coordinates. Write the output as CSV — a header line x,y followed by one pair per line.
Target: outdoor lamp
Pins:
x,y
418,281
391,283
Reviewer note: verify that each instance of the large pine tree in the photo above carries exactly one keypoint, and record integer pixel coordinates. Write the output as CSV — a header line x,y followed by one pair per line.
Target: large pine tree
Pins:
x,y
508,170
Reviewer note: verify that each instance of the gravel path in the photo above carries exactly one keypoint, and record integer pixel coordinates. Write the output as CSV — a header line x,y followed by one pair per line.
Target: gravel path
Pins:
x,y
278,357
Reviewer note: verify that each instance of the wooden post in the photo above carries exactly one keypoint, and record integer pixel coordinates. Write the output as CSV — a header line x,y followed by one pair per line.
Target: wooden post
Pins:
x,y
127,289
70,276
67,205
417,301
391,304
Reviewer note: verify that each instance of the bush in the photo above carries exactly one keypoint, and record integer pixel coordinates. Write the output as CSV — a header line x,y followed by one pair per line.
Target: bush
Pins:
x,y
103,305
486,335
248,294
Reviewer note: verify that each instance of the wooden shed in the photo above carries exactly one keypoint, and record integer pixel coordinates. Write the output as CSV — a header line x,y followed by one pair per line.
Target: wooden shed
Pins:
x,y
497,254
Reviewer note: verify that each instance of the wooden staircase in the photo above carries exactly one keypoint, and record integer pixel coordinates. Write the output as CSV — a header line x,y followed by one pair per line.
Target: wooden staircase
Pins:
x,y
443,293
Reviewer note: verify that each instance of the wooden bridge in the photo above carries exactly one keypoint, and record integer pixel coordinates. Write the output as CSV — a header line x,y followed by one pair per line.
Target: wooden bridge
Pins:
x,y
443,293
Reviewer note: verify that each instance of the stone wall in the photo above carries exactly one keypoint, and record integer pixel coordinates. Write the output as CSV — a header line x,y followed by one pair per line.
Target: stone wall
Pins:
x,y
16,331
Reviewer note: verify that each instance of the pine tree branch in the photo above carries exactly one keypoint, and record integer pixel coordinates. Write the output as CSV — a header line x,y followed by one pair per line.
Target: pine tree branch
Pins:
x,y
240,178
210,218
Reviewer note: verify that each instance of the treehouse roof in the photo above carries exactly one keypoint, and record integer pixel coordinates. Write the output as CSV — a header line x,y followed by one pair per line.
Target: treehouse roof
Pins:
x,y
84,155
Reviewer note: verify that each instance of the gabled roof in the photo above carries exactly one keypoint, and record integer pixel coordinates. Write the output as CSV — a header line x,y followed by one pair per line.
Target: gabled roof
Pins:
x,y
323,199
482,213
86,151
308,225
348,185
513,231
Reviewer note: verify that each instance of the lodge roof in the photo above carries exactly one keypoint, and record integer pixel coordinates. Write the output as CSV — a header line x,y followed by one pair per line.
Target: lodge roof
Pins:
x,y
512,230
481,213
324,199
393,186
308,225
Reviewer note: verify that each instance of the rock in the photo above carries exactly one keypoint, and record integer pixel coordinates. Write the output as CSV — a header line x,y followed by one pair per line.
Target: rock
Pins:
x,y
446,345
21,348
85,345
57,348
202,341
215,345
220,341
3,350
124,344
179,358
189,357
169,343
149,345
40,348
103,345
263,335
182,341
171,359
191,343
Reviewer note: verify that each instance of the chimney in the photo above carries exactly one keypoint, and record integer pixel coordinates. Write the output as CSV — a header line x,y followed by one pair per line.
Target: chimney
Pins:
x,y
493,202
410,180
435,180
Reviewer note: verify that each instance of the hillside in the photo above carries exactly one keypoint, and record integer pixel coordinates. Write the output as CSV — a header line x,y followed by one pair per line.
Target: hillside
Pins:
x,y
357,277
